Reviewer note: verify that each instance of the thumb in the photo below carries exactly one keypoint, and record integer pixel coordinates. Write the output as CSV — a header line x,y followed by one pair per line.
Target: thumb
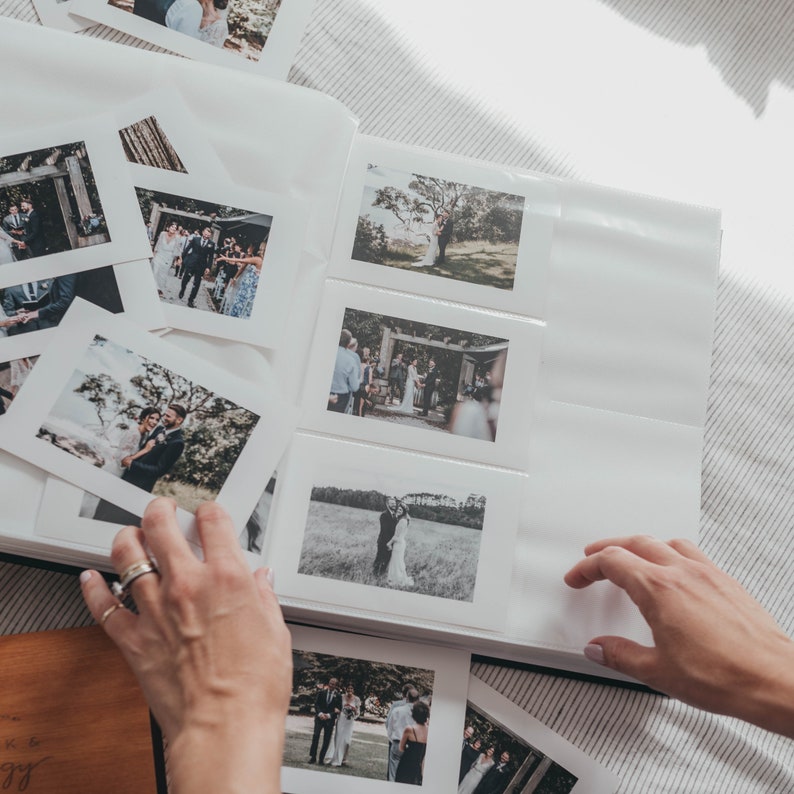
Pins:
x,y
625,656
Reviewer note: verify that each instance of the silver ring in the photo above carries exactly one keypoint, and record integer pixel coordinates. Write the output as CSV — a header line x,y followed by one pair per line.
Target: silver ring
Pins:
x,y
140,568
110,610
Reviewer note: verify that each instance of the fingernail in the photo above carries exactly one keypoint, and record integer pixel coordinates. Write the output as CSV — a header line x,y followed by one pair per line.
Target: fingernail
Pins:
x,y
85,576
595,653
271,577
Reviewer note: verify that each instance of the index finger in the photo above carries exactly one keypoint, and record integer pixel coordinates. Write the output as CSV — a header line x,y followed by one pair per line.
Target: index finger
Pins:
x,y
164,537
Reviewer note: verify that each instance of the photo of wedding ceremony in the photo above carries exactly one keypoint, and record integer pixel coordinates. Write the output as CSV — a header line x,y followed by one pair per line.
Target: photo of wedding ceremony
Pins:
x,y
494,760
413,537
241,27
439,227
205,256
12,375
147,425
36,305
420,375
48,203
358,717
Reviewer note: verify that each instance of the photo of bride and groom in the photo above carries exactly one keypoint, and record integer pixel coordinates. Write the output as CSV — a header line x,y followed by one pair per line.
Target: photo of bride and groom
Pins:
x,y
426,540
241,26
429,224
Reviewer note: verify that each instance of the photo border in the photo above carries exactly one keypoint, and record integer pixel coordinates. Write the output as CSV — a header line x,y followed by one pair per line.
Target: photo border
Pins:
x,y
275,60
83,321
503,490
272,303
533,264
179,123
450,683
516,407
106,156
58,15
592,777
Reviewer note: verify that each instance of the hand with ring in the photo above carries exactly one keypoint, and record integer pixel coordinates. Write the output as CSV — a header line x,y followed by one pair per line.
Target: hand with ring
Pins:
x,y
209,647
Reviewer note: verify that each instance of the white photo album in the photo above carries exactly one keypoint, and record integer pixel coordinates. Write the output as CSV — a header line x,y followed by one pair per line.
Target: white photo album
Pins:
x,y
214,435
364,676
433,224
394,532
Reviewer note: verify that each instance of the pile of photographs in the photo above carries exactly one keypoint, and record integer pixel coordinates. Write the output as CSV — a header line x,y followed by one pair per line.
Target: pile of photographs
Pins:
x,y
402,469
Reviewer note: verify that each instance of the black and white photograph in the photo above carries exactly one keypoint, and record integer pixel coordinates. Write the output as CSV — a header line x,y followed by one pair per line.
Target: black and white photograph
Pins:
x,y
220,268
504,750
430,224
394,532
369,715
406,372
157,130
421,374
61,202
128,416
260,36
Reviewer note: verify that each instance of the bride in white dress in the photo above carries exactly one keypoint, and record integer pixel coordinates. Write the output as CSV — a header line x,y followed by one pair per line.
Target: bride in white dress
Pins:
x,y
432,249
168,246
477,772
411,382
6,245
343,735
396,575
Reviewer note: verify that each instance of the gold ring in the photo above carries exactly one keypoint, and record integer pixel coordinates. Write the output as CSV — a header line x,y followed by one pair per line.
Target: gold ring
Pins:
x,y
140,568
110,610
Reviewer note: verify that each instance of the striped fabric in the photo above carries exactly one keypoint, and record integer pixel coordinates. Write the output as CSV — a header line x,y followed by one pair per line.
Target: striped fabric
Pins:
x,y
654,744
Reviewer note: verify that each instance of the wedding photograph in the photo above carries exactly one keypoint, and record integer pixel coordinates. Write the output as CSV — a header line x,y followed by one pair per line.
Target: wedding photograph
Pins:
x,y
348,716
13,374
415,374
413,537
435,226
145,143
240,27
49,203
145,424
205,256
495,760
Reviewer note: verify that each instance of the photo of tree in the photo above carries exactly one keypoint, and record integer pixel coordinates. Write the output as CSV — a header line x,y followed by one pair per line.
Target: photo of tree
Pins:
x,y
414,537
436,226
495,760
360,694
146,424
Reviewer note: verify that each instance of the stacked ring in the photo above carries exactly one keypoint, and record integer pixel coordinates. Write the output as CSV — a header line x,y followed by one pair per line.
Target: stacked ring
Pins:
x,y
136,570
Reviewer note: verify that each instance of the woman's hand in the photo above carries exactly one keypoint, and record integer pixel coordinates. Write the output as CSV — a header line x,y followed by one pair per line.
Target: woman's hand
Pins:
x,y
209,647
715,646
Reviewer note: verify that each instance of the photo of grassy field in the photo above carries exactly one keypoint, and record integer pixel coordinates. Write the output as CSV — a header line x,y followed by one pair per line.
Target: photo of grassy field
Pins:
x,y
340,541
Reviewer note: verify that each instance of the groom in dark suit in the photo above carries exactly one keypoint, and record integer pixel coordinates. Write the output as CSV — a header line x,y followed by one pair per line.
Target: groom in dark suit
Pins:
x,y
197,258
388,523
33,236
327,706
160,459
430,384
444,236
497,777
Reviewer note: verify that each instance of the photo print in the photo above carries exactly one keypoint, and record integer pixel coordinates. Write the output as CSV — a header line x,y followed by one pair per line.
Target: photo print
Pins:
x,y
221,269
126,415
66,513
433,224
157,131
504,749
257,35
56,14
414,373
368,715
17,357
61,202
393,532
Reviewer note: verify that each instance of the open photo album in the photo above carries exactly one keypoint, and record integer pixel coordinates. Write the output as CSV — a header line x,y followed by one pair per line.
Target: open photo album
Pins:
x,y
420,384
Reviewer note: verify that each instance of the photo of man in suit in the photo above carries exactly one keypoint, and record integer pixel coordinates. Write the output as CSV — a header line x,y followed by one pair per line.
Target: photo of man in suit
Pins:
x,y
14,224
431,384
444,237
19,300
327,706
60,296
34,235
168,447
198,256
497,777
388,523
